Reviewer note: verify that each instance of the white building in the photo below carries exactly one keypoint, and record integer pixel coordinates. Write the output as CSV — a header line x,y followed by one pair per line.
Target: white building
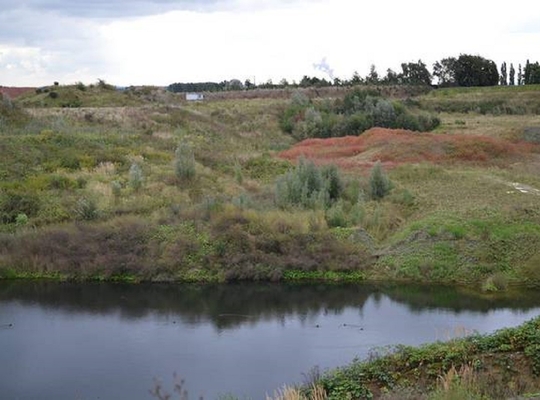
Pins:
x,y
194,96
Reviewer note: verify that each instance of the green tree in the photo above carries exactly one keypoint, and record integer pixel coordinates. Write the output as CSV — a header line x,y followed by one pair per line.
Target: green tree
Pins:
x,y
475,71
520,76
391,78
445,71
415,74
532,73
356,79
373,76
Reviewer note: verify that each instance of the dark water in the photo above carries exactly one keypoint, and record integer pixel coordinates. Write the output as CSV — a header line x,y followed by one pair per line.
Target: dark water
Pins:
x,y
109,341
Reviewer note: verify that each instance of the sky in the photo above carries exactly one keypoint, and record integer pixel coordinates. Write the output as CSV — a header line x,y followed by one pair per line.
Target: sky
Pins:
x,y
159,42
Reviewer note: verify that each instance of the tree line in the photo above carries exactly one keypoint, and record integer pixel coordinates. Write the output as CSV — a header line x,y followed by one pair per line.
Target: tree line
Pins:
x,y
465,71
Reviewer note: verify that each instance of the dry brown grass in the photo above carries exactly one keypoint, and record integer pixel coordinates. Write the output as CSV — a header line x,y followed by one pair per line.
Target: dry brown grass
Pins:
x,y
289,393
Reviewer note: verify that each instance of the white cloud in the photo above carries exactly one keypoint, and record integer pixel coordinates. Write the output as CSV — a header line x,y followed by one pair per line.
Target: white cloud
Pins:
x,y
165,41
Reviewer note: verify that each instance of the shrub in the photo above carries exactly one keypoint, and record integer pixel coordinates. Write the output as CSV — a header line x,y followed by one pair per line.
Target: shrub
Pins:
x,y
309,186
336,216
333,181
14,203
184,162
357,112
86,209
379,183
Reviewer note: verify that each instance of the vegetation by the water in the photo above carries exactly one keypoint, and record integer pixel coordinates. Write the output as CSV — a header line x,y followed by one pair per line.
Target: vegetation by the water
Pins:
x,y
141,185
505,364
502,365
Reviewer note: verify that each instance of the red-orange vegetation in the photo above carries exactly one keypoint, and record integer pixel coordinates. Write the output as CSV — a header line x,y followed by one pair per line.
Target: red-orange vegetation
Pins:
x,y
13,92
394,146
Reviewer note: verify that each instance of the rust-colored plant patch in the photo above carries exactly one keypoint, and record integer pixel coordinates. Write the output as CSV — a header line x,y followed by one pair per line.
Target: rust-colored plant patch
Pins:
x,y
395,146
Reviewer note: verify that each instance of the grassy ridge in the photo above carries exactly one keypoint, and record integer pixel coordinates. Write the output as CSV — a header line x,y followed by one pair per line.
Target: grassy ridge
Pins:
x,y
456,214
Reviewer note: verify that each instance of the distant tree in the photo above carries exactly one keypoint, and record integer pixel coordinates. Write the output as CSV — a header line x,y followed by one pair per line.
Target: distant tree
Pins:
x,y
283,83
356,78
512,75
373,76
503,79
391,78
235,84
415,74
520,76
532,73
526,73
248,85
475,71
445,71
180,87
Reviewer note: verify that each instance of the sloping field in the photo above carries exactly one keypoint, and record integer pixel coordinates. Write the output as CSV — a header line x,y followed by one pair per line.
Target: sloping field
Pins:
x,y
394,147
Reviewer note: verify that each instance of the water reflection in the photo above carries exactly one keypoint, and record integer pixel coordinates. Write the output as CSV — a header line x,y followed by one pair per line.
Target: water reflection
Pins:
x,y
227,306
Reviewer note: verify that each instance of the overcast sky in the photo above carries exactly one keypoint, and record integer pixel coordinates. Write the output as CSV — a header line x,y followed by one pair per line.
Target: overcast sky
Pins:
x,y
158,42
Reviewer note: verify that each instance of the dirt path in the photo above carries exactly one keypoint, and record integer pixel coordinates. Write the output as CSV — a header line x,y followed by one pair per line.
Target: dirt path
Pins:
x,y
524,188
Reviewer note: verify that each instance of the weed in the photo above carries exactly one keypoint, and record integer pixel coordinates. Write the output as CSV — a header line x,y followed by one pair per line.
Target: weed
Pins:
x,y
86,209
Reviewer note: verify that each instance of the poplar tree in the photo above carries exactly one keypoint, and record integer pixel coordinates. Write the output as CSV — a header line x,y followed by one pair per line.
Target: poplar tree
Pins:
x,y
520,76
512,75
503,80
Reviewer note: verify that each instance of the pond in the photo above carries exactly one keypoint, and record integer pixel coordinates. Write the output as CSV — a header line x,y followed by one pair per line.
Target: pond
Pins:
x,y
112,341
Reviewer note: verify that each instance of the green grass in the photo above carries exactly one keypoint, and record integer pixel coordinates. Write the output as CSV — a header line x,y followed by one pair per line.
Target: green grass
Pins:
x,y
496,100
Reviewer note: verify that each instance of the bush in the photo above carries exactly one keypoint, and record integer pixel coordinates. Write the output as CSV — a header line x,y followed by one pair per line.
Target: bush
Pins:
x,y
309,186
336,216
86,209
379,183
184,162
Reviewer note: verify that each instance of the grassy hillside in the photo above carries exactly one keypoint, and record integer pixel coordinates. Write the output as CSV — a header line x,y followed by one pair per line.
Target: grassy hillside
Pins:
x,y
102,189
